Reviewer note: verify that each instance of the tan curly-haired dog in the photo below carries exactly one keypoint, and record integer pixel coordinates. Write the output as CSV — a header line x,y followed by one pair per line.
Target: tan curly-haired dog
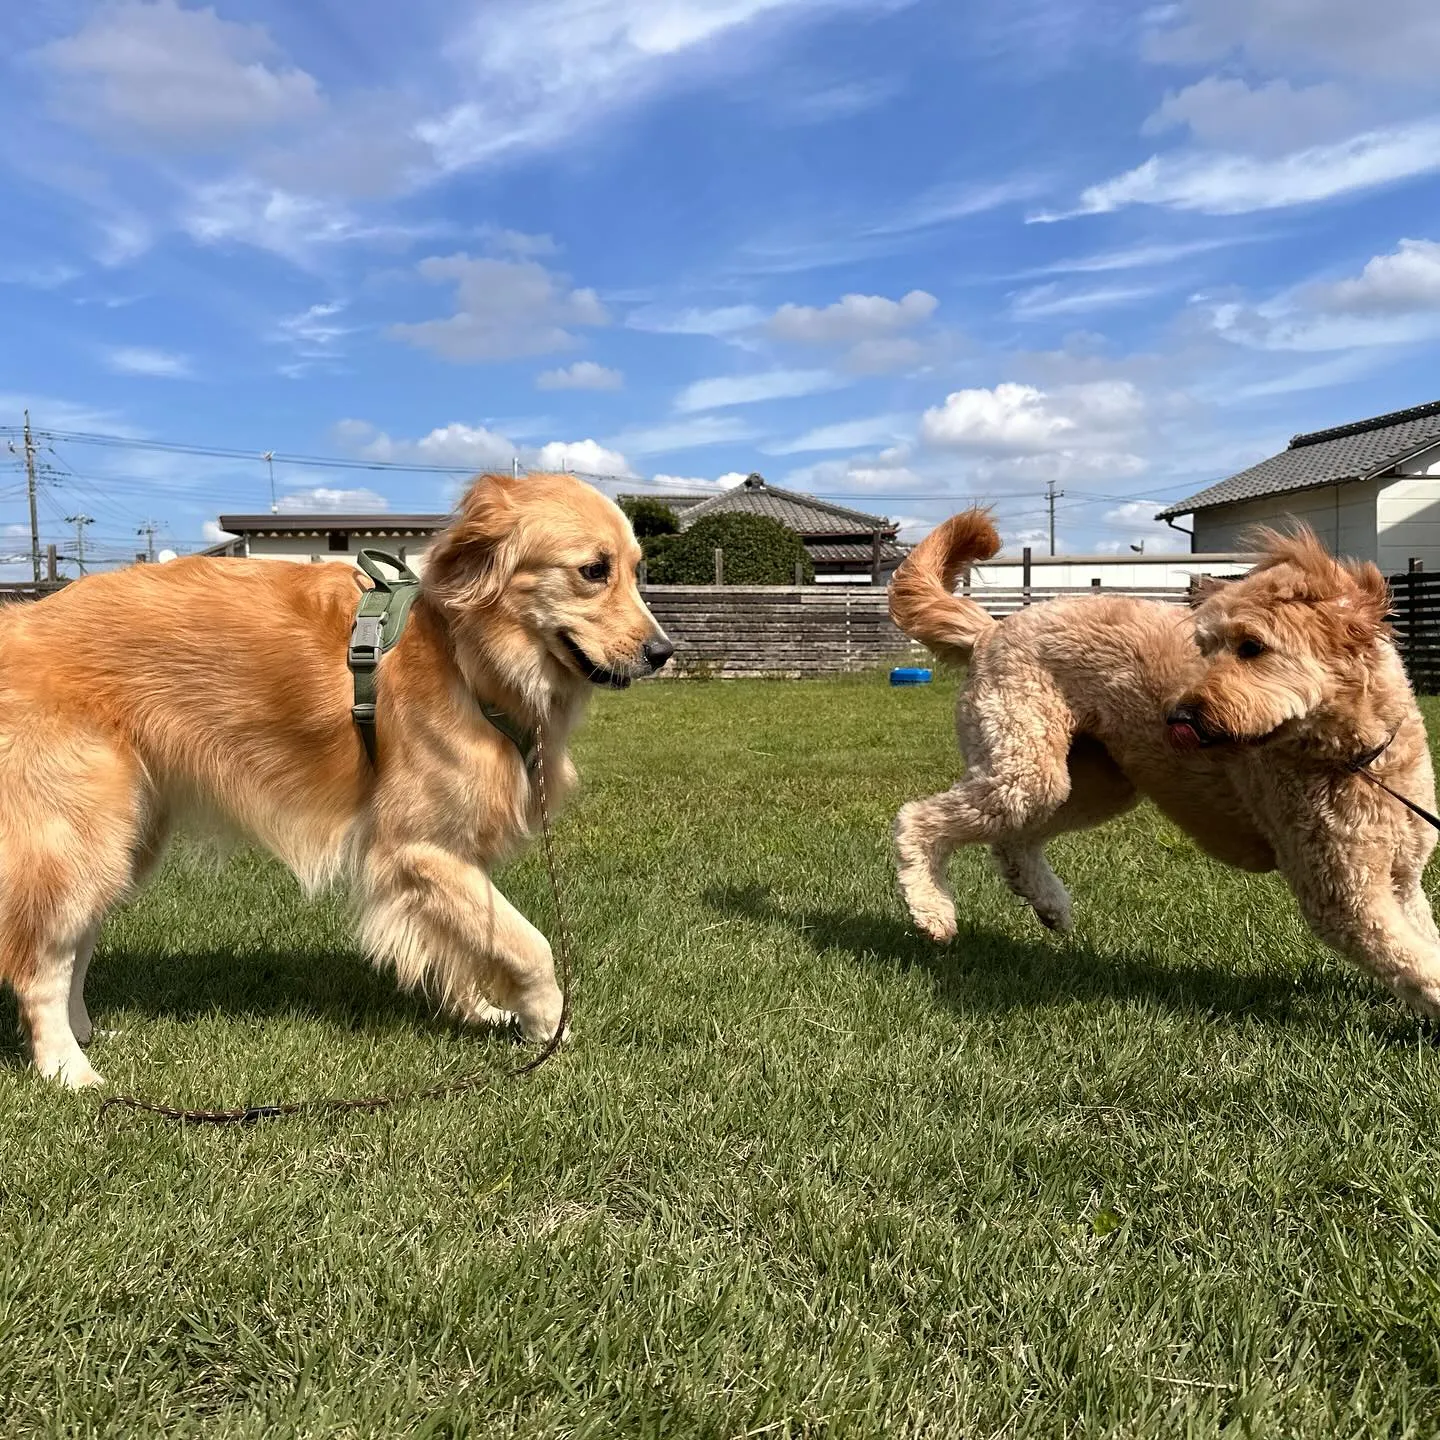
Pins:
x,y
1239,719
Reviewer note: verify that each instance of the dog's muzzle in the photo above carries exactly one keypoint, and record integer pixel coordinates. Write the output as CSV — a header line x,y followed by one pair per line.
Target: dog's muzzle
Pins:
x,y
655,653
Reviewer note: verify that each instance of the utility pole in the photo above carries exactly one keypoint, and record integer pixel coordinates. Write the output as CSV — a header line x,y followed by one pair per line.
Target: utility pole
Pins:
x,y
269,458
30,485
1051,496
80,522
148,530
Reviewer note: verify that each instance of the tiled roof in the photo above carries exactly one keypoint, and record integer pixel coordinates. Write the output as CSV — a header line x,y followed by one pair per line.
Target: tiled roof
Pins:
x,y
890,553
1359,451
322,522
803,514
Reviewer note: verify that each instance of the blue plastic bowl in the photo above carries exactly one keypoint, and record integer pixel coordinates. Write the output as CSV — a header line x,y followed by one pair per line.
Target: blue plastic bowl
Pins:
x,y
909,675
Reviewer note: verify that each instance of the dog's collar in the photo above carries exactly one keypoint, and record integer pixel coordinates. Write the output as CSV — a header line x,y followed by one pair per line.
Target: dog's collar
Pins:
x,y
379,621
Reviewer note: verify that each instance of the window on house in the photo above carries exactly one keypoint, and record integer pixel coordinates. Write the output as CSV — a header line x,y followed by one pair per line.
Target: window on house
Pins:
x,y
340,540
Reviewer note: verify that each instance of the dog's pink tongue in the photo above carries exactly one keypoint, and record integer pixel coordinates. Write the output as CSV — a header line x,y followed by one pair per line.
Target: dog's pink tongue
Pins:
x,y
1183,737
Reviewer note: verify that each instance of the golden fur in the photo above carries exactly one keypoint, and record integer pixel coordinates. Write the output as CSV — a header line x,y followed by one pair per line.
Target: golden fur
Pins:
x,y
217,691
1237,719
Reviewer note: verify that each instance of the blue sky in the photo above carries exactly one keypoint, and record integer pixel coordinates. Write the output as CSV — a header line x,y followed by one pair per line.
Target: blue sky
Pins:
x,y
902,252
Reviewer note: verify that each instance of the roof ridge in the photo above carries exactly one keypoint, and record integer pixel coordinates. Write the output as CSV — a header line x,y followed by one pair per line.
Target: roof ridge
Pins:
x,y
766,488
1359,427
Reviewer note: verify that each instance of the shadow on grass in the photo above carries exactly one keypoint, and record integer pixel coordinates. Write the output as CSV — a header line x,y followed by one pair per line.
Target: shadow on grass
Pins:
x,y
334,987
983,970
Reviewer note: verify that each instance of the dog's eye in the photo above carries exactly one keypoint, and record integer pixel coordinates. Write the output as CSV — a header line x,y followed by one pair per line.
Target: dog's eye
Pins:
x,y
1249,650
596,572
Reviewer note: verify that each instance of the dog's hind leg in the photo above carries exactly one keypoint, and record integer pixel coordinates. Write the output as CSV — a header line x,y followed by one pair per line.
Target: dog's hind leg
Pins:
x,y
80,1025
444,925
1099,791
1017,747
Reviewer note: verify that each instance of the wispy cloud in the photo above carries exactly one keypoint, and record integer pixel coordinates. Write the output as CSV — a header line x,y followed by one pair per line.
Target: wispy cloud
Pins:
x,y
691,434
847,435
726,390
1044,301
155,364
1226,184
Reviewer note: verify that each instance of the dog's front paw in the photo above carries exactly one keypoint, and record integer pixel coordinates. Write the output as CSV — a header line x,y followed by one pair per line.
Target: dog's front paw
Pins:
x,y
937,921
1055,915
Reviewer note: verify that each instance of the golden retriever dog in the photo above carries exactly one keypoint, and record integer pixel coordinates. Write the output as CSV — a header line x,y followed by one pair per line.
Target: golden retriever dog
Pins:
x,y
1241,719
217,691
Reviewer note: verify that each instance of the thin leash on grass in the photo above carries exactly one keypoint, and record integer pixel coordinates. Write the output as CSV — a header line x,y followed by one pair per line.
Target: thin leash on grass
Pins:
x,y
250,1114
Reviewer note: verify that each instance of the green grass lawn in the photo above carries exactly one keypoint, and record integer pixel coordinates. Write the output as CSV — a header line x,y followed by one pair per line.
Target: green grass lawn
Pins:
x,y
800,1173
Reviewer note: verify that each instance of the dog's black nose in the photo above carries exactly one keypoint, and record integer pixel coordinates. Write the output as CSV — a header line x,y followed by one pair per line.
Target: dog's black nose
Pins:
x,y
657,652
1183,715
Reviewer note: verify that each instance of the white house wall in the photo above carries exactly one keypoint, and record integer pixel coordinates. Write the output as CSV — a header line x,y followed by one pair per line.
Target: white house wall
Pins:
x,y
306,548
1409,518
1343,516
1152,572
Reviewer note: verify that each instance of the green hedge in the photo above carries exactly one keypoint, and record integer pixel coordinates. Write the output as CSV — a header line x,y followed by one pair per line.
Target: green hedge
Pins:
x,y
650,517
757,552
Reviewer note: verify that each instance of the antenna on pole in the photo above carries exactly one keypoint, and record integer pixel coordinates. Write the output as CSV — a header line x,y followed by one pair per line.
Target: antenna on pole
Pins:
x,y
30,486
269,458
1051,496
148,530
80,522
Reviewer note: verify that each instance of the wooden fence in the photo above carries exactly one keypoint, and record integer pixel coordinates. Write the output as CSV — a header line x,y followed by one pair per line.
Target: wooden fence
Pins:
x,y
1415,614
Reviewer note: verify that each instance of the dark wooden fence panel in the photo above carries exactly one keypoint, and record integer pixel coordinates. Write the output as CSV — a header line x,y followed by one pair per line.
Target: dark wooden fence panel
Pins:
x,y
1416,617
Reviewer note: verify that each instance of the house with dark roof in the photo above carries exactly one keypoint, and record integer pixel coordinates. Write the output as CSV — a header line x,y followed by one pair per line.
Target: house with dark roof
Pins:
x,y
326,536
844,545
1369,489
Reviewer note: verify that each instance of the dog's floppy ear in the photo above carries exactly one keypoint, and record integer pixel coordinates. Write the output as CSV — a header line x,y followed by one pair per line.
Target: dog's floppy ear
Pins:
x,y
474,557
1366,601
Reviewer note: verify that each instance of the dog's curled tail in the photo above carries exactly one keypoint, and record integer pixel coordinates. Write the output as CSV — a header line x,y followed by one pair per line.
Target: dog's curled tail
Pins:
x,y
923,602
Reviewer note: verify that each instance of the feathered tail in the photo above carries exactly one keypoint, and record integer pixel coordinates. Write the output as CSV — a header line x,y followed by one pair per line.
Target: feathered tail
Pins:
x,y
922,599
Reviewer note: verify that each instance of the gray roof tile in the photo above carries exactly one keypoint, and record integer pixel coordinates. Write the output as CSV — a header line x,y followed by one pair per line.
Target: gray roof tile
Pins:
x,y
802,513
1325,457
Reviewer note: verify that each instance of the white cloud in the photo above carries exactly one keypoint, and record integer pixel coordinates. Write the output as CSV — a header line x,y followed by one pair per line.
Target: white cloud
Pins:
x,y
851,318
681,483
1395,300
503,309
725,320
1136,524
1388,40
1232,184
1135,257
332,502
538,71
1023,420
475,448
1397,284
41,275
141,360
726,390
211,532
247,212
946,203
1043,301
175,76
689,434
1226,112
846,435
470,447
583,456
582,375
314,336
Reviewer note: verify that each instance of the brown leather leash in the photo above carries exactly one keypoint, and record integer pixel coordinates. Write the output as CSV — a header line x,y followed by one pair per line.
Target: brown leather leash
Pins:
x,y
250,1114
1360,766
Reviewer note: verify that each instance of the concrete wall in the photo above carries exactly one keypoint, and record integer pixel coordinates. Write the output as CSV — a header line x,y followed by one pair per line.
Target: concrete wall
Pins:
x,y
1344,517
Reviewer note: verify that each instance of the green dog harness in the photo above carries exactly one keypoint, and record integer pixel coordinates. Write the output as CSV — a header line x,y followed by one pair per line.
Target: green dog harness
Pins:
x,y
381,617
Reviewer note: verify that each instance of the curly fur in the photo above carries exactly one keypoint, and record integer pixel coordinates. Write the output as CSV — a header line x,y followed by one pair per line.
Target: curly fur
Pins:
x,y
1236,718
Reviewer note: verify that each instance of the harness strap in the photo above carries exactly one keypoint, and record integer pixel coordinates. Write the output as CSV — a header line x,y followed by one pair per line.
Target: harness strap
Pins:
x,y
1360,766
381,617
